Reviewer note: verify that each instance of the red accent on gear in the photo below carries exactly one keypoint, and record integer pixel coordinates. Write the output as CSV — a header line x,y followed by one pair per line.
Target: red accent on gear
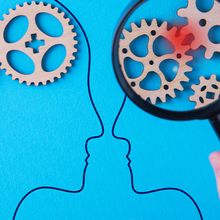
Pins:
x,y
183,38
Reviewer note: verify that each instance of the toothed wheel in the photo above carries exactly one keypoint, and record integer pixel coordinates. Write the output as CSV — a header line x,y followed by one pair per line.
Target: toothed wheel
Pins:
x,y
151,62
206,92
201,24
66,39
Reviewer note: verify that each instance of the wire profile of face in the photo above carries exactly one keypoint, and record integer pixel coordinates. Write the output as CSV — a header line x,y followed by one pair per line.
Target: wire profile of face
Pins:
x,y
46,106
48,113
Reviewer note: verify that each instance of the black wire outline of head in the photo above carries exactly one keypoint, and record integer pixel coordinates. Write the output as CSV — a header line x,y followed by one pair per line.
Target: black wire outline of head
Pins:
x,y
99,136
26,196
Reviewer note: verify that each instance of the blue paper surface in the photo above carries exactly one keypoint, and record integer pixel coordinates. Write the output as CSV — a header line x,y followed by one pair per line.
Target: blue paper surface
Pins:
x,y
44,133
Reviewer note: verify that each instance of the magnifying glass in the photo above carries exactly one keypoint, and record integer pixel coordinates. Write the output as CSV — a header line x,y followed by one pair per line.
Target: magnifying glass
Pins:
x,y
187,95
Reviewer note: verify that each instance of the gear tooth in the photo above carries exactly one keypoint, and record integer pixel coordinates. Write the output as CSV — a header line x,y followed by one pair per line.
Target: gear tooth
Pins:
x,y
194,45
143,23
52,80
27,82
165,25
182,12
180,87
189,58
74,34
208,54
194,87
213,77
163,98
11,10
192,98
75,50
173,31
62,14
68,65
185,78
202,78
14,77
36,83
72,28
154,22
188,69
59,76
153,100
172,94
134,26
44,83
19,80
125,33
68,21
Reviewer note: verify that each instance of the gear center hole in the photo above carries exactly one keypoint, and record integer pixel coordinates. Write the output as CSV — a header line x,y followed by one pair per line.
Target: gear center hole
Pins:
x,y
35,44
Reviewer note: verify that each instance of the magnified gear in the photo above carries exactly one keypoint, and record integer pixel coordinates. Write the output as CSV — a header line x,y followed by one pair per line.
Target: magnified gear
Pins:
x,y
151,62
67,39
206,92
200,24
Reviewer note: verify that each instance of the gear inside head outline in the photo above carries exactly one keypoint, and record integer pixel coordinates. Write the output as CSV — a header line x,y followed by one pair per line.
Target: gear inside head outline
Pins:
x,y
67,39
206,92
151,61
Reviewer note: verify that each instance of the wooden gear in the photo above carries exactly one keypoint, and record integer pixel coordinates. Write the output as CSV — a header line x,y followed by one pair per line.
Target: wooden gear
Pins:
x,y
206,92
201,23
66,39
151,62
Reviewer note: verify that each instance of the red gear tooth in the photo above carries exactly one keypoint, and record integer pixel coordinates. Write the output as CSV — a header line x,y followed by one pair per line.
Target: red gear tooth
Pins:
x,y
184,36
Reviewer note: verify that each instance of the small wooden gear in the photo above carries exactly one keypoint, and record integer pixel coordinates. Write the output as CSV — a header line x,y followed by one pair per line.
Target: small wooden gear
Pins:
x,y
206,92
66,39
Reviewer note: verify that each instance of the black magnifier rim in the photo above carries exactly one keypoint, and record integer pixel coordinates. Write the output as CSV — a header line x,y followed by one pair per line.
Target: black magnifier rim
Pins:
x,y
206,112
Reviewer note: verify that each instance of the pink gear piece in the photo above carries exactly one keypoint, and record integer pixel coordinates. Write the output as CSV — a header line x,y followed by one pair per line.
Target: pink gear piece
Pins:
x,y
215,161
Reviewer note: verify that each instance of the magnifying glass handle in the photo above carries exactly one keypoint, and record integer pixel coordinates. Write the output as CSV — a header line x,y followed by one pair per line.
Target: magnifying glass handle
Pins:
x,y
215,121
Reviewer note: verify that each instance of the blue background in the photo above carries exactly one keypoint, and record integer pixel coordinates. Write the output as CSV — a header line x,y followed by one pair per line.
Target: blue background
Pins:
x,y
44,130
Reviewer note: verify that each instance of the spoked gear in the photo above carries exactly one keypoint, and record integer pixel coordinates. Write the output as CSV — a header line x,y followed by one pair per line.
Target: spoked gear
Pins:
x,y
206,92
151,62
201,23
31,10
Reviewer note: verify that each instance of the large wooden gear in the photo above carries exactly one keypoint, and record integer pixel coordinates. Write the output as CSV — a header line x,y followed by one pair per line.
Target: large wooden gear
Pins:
x,y
39,76
151,61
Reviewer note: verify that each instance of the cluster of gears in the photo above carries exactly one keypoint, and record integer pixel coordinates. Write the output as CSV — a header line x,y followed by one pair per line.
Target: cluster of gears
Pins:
x,y
67,39
208,90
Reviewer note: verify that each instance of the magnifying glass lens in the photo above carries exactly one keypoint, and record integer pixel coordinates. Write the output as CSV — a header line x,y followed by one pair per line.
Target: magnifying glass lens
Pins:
x,y
171,76
167,58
